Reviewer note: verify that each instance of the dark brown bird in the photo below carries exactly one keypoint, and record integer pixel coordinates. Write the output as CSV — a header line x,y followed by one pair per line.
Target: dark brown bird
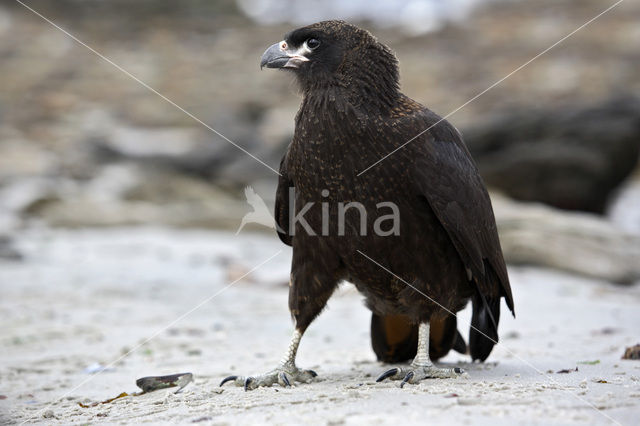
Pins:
x,y
415,232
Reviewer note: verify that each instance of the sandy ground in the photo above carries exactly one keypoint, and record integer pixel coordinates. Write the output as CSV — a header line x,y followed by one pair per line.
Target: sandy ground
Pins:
x,y
83,298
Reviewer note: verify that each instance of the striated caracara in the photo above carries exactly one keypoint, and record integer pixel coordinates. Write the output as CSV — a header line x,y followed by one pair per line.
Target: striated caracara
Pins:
x,y
415,232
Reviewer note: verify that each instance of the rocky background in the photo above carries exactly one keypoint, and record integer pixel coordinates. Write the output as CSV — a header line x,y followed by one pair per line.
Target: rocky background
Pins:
x,y
83,144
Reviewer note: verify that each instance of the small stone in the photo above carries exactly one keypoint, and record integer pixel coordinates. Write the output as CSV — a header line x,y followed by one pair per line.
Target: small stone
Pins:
x,y
468,401
632,352
512,335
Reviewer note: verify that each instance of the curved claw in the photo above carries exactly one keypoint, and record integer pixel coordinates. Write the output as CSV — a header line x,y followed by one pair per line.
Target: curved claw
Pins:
x,y
283,379
408,377
387,373
247,382
228,379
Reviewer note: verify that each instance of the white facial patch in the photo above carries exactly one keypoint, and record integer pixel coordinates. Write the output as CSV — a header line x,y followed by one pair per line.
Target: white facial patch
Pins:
x,y
297,55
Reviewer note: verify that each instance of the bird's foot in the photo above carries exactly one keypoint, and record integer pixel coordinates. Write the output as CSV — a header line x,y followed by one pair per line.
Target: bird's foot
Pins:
x,y
283,375
415,373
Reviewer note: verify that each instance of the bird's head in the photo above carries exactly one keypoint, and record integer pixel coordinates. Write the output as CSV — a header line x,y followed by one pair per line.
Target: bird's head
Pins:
x,y
331,53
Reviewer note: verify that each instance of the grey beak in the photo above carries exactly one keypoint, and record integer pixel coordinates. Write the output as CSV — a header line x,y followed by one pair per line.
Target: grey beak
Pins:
x,y
274,57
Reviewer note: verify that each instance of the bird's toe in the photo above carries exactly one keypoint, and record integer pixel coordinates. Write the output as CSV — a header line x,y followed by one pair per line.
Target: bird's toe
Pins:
x,y
416,373
285,377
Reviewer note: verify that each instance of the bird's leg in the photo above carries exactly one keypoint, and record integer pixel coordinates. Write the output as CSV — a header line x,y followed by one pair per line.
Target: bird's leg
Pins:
x,y
421,367
309,290
285,374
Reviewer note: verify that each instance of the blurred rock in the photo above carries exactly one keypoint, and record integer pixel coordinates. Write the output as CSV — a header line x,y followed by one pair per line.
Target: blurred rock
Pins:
x,y
19,196
196,151
125,194
571,157
7,250
141,143
624,211
632,352
580,243
23,158
178,148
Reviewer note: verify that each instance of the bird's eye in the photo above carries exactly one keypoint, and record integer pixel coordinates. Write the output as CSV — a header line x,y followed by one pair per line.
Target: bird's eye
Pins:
x,y
312,43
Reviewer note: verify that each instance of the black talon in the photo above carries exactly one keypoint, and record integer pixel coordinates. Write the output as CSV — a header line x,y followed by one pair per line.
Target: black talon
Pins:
x,y
228,379
408,377
313,373
284,378
457,370
386,374
247,381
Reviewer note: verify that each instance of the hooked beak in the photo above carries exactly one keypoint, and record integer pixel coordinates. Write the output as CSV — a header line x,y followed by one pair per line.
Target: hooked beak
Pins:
x,y
279,55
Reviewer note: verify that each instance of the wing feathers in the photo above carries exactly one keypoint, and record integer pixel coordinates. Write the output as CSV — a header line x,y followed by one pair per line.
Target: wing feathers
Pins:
x,y
447,177
282,204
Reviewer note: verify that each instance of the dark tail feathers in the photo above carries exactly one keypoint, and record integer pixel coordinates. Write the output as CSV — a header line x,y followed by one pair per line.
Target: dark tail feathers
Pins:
x,y
459,345
483,334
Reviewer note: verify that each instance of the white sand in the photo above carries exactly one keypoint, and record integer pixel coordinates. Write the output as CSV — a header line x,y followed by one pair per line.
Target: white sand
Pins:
x,y
87,297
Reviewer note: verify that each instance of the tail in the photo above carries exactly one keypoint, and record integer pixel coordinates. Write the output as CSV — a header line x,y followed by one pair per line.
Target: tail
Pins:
x,y
394,338
483,334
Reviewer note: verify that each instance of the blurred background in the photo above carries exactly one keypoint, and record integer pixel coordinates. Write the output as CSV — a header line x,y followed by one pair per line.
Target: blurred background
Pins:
x,y
82,144
91,160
